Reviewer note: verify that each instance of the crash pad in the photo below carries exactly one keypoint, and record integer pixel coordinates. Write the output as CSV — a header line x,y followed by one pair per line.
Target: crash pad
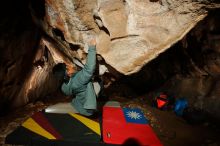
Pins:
x,y
127,126
56,129
119,126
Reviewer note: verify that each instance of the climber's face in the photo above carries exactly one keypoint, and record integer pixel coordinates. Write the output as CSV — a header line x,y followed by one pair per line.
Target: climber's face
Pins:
x,y
70,70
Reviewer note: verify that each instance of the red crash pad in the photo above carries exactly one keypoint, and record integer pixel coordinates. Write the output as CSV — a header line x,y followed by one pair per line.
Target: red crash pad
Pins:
x,y
127,126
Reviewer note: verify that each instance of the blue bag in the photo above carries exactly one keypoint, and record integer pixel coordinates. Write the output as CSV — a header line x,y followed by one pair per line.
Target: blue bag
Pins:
x,y
180,105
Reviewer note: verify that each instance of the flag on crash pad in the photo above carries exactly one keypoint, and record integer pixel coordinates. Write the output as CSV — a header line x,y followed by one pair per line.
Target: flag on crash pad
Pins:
x,y
56,129
127,126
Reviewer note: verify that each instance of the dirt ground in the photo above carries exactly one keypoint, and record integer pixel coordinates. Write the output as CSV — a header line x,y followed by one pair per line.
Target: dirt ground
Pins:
x,y
171,130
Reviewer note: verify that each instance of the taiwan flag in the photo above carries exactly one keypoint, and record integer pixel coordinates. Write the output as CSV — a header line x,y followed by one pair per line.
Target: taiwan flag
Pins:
x,y
127,126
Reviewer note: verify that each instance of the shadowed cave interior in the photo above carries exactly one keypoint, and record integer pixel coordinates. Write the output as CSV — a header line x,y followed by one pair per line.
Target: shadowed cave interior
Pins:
x,y
189,69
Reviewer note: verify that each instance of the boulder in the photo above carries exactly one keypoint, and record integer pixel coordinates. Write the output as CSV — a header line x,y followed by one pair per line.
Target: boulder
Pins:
x,y
129,33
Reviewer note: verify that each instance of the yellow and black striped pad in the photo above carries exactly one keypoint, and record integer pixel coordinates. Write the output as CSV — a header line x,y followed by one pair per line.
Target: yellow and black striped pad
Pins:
x,y
49,128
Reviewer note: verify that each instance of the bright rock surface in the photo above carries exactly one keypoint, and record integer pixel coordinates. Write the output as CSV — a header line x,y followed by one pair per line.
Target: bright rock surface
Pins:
x,y
129,33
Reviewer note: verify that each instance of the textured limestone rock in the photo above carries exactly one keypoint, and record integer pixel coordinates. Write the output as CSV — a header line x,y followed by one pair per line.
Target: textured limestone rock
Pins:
x,y
73,18
39,81
129,33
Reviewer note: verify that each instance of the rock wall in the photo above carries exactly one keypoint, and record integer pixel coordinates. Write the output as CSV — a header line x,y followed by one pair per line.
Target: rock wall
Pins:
x,y
25,64
15,54
129,33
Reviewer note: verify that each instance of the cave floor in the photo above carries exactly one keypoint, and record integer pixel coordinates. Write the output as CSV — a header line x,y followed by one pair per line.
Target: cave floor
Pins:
x,y
171,130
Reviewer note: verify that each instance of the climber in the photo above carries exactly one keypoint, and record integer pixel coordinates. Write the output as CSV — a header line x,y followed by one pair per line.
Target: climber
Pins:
x,y
78,83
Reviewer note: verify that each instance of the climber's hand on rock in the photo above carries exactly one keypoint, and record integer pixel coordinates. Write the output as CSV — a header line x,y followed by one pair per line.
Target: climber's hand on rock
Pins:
x,y
92,42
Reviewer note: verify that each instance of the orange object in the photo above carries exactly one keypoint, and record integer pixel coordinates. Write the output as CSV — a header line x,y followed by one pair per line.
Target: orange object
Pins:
x,y
161,103
161,100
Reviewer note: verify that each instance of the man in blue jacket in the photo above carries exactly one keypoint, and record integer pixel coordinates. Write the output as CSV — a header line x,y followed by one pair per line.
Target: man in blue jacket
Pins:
x,y
80,84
